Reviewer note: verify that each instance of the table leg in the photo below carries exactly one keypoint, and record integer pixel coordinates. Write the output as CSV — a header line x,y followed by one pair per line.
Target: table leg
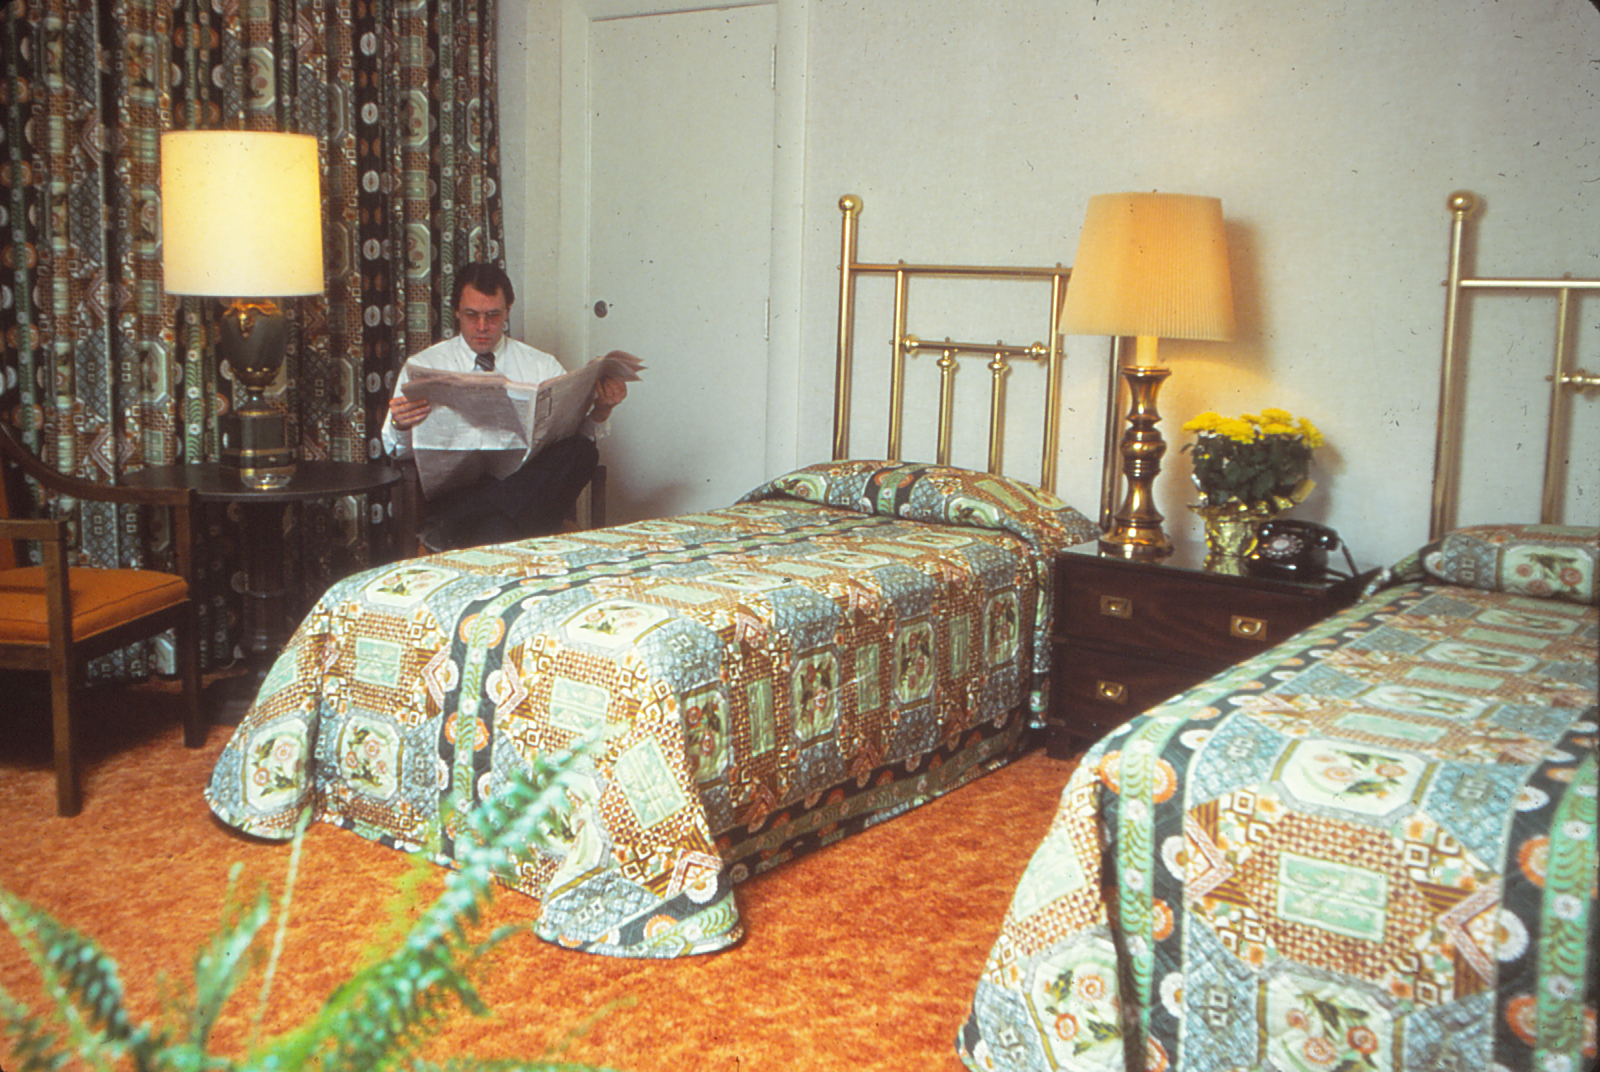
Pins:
x,y
265,623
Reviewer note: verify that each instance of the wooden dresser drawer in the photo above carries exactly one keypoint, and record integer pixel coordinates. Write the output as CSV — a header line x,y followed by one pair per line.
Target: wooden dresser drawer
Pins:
x,y
1094,691
1128,635
1164,612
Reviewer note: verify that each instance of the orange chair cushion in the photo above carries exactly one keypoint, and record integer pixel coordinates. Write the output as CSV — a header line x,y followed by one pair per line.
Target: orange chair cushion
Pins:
x,y
100,598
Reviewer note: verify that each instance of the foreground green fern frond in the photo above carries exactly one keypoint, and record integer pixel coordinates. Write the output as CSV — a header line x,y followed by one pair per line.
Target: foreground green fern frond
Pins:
x,y
374,1021
390,1006
84,983
225,960
32,1043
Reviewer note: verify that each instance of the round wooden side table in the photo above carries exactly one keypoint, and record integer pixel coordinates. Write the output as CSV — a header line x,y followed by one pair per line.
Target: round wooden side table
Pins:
x,y
265,626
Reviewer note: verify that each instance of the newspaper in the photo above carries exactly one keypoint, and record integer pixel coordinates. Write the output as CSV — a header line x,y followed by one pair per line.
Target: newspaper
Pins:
x,y
483,422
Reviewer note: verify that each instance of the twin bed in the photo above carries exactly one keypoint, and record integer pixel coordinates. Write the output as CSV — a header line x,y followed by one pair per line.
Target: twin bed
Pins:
x,y
848,641
1372,847
851,640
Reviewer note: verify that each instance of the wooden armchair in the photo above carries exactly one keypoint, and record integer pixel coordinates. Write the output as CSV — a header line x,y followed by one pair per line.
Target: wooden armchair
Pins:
x,y
56,617
588,512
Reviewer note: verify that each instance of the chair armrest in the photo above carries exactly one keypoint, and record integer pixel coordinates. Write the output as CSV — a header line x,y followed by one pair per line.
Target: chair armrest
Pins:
x,y
48,531
79,488
67,484
183,502
50,534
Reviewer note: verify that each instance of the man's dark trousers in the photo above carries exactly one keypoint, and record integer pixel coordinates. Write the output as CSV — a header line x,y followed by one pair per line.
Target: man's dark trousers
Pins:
x,y
530,502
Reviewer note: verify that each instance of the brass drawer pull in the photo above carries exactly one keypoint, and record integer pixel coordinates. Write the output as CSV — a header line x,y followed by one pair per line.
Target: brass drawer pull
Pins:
x,y
1247,628
1111,691
1116,607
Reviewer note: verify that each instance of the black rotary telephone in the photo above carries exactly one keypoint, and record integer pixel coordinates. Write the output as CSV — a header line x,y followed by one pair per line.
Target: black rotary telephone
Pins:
x,y
1295,550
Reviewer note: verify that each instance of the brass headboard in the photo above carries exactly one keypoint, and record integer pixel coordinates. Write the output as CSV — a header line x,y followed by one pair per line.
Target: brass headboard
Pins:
x,y
1564,376
999,354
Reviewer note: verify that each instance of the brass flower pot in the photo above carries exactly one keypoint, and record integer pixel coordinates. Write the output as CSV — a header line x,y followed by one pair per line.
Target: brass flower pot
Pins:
x,y
1231,534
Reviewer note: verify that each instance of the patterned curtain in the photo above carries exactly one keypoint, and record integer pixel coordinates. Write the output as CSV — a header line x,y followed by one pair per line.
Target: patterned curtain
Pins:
x,y
104,372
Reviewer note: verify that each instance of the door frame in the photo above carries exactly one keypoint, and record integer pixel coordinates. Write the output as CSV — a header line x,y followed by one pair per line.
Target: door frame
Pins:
x,y
785,286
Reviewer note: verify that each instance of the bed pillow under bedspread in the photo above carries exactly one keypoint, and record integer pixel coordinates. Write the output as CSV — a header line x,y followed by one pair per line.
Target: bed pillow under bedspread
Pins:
x,y
1542,561
731,664
1370,848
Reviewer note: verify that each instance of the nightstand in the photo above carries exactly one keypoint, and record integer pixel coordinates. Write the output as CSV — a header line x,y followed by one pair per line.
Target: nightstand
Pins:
x,y
1129,634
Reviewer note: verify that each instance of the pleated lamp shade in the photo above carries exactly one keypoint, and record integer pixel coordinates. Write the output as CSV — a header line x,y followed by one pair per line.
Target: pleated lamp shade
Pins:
x,y
241,213
1151,265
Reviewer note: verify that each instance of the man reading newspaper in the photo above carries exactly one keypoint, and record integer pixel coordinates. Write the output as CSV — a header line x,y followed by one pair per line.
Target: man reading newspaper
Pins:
x,y
486,478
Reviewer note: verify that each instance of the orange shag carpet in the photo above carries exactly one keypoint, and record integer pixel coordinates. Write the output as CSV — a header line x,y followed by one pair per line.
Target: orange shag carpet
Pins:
x,y
861,956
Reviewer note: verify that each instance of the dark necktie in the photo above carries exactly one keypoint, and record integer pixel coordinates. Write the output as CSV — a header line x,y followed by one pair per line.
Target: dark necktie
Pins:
x,y
484,363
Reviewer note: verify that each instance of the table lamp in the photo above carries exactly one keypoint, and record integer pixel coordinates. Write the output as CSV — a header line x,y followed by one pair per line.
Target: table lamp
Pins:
x,y
241,219
1150,266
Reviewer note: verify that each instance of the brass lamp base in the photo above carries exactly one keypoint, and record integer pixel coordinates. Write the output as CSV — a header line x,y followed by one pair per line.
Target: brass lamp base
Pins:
x,y
1136,526
255,439
253,445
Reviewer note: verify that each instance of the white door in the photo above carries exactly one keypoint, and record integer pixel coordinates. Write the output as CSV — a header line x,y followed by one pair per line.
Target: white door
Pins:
x,y
680,171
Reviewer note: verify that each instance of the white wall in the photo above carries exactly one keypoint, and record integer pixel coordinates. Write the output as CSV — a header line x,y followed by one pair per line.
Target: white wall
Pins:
x,y
530,86
1332,130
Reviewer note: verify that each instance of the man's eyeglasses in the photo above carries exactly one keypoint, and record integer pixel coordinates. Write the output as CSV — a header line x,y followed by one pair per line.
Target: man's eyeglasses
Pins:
x,y
490,319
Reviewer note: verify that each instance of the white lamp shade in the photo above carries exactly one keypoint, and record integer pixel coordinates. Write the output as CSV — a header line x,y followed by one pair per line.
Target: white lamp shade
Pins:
x,y
241,213
1151,265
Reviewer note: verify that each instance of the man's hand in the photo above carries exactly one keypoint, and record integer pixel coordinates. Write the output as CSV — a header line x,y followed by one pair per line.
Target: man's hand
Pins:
x,y
408,412
608,394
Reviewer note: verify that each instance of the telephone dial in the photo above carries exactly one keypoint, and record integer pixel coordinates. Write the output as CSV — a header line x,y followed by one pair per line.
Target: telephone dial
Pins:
x,y
1295,550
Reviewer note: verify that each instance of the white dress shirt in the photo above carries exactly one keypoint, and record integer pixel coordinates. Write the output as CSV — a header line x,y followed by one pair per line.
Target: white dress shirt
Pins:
x,y
516,360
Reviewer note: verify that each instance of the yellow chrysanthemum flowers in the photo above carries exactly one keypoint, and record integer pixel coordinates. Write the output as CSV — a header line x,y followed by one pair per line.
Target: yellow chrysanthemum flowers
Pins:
x,y
1253,457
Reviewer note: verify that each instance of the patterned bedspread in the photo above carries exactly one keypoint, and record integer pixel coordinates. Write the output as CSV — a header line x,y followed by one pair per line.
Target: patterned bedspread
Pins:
x,y
1370,848
845,643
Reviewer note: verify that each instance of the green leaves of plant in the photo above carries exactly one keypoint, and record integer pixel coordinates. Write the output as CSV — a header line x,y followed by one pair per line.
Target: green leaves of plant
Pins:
x,y
372,1022
225,960
31,1042
84,982
1248,471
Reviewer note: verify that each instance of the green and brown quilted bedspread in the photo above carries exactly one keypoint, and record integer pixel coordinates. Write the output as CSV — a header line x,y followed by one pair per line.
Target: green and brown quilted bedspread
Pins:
x,y
845,643
1371,848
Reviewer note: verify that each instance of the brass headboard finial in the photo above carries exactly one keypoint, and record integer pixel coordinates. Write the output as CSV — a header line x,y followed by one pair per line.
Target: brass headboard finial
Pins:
x,y
1462,203
850,205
